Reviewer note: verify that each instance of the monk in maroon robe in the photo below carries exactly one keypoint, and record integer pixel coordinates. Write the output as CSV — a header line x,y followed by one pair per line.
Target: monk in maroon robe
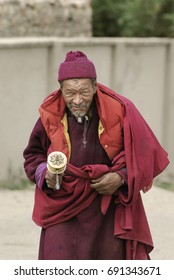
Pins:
x,y
112,156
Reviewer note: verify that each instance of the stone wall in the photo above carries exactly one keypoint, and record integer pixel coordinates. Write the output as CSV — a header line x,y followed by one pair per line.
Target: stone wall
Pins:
x,y
60,18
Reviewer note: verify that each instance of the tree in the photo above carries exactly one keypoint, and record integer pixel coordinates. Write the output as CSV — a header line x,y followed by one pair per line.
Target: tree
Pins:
x,y
138,18
164,24
105,17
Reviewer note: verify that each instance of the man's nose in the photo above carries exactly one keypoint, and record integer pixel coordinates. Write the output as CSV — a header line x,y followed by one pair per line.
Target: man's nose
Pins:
x,y
77,99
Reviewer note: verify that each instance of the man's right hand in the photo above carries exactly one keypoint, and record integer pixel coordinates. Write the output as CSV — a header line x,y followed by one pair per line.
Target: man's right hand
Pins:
x,y
51,179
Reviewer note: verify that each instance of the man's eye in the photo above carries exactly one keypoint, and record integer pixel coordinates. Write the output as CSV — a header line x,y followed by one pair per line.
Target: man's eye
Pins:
x,y
69,93
84,93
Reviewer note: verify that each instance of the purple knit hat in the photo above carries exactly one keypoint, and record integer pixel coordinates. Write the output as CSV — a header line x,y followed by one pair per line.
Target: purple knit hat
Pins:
x,y
76,65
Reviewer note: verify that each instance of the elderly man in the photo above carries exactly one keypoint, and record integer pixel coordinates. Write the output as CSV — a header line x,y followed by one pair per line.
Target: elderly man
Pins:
x,y
112,155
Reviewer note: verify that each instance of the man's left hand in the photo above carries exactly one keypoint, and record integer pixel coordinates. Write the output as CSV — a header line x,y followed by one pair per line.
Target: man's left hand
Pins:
x,y
108,183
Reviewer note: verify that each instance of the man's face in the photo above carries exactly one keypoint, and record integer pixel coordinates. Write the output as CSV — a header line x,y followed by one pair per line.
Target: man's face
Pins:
x,y
78,95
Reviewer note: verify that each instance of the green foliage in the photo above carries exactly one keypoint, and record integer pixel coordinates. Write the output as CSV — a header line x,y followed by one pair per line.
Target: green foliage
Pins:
x,y
105,17
135,18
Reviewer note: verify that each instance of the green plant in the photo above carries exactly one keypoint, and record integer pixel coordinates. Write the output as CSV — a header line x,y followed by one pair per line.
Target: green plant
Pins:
x,y
135,18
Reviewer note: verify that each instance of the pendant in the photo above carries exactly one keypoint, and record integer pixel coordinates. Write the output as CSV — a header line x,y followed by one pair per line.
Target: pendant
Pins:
x,y
84,143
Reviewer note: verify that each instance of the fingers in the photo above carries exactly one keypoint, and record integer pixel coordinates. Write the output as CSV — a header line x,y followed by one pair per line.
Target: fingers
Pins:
x,y
146,189
107,184
98,185
97,180
51,179
103,188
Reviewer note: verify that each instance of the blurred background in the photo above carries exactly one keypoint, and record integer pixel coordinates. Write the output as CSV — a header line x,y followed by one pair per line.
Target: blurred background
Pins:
x,y
131,44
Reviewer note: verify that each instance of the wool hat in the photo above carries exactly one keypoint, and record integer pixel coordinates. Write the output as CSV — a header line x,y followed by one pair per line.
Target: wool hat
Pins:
x,y
76,65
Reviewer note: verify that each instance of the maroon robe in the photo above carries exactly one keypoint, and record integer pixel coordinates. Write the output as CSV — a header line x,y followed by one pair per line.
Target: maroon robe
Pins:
x,y
143,162
90,233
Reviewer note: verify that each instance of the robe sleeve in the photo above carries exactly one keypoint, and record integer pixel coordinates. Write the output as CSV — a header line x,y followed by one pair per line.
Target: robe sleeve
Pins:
x,y
40,175
35,154
119,166
144,156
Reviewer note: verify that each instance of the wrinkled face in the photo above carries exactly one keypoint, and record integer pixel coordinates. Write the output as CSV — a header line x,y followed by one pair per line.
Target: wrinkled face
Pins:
x,y
78,95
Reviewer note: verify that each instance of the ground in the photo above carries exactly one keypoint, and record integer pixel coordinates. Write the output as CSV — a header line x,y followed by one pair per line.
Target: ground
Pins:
x,y
19,236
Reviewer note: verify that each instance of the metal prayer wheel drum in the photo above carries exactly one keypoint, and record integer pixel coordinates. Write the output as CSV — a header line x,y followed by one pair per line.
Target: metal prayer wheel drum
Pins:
x,y
56,162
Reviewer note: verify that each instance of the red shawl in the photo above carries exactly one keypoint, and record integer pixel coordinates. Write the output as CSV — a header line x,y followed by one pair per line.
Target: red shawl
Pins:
x,y
144,159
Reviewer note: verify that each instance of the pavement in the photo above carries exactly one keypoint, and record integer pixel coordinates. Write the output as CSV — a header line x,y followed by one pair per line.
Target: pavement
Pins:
x,y
19,236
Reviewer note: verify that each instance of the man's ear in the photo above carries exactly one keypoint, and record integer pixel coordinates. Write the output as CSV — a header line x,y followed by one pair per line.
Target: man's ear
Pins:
x,y
61,85
95,87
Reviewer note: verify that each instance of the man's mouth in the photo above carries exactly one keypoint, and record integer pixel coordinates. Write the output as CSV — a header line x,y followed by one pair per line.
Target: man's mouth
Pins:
x,y
78,108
